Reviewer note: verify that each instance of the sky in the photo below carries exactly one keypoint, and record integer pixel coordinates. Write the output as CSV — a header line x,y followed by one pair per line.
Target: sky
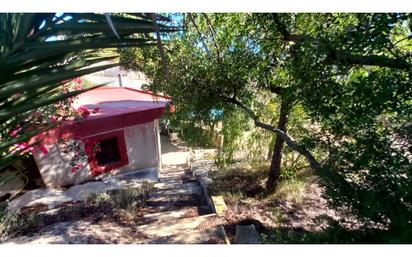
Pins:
x,y
58,14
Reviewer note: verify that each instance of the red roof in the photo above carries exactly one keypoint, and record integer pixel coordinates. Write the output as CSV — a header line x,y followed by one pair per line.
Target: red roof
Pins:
x,y
117,108
118,101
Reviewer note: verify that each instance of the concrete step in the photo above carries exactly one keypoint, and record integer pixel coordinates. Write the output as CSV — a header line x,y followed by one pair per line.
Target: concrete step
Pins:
x,y
185,212
173,169
169,184
170,177
172,201
204,210
182,189
168,170
209,236
171,227
172,173
160,208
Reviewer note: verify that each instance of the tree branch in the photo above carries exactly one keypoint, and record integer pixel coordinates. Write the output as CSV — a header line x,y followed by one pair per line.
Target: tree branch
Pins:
x,y
314,164
274,89
242,106
287,36
214,36
369,60
160,45
405,38
200,35
337,56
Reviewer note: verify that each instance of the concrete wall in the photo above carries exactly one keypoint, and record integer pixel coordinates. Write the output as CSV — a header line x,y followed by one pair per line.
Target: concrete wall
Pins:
x,y
143,150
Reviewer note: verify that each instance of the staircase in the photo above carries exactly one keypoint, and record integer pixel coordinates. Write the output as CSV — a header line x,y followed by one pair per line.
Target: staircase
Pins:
x,y
177,206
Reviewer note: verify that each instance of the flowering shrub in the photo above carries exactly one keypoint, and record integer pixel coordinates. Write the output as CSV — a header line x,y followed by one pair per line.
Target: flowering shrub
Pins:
x,y
54,114
84,112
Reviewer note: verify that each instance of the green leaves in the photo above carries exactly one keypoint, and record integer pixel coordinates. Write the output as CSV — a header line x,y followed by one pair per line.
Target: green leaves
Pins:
x,y
348,73
360,105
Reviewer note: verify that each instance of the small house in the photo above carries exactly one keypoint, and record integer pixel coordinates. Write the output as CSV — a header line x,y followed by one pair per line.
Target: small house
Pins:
x,y
118,132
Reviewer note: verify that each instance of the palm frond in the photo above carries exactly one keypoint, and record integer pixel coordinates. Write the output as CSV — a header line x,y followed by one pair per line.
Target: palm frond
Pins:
x,y
39,51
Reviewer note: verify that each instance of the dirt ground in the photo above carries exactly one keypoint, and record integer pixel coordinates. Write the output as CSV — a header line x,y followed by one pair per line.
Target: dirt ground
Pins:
x,y
81,223
301,219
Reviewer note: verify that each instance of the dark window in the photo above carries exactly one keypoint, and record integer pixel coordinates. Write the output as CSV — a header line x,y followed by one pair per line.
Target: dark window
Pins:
x,y
109,151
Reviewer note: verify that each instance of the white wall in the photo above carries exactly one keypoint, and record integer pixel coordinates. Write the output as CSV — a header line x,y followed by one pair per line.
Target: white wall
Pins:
x,y
142,149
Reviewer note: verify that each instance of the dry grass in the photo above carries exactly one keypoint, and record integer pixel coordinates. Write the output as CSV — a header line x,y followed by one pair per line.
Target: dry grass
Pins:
x,y
245,181
291,190
239,182
12,224
295,213
294,189
128,199
294,210
125,207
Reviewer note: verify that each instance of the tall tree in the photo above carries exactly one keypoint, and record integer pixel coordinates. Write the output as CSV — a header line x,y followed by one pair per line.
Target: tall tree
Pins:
x,y
354,76
218,63
350,72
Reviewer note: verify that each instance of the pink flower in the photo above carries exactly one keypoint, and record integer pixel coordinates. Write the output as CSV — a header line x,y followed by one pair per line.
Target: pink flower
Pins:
x,y
84,112
78,81
36,114
78,87
53,119
24,148
89,148
43,149
15,132
77,167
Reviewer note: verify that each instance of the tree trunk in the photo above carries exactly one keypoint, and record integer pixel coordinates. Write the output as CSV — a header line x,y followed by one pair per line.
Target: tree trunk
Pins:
x,y
314,164
275,165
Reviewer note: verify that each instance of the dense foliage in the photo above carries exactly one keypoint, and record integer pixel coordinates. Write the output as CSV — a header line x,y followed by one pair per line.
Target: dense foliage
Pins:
x,y
364,111
347,77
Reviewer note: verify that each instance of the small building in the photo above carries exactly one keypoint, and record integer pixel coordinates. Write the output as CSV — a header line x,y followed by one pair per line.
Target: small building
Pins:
x,y
120,133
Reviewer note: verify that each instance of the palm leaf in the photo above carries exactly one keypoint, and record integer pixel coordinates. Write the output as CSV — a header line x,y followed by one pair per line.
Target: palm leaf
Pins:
x,y
39,51
55,76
